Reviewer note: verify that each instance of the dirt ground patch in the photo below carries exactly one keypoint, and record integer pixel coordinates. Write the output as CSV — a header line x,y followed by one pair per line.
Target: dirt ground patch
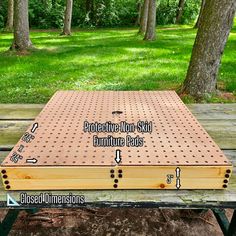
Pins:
x,y
107,221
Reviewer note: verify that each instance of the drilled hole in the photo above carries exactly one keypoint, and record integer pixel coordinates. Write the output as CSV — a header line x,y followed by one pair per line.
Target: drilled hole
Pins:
x,y
117,112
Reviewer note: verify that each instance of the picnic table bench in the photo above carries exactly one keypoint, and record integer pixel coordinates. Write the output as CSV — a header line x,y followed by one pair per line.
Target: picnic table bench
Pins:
x,y
219,120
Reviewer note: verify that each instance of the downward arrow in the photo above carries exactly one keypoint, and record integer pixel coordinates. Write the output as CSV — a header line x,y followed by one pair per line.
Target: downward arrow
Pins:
x,y
118,156
178,183
32,160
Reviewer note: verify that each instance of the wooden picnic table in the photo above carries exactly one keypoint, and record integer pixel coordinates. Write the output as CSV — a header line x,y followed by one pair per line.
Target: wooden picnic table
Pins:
x,y
218,119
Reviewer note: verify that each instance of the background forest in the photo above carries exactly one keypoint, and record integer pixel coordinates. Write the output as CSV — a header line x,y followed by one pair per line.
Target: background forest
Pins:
x,y
45,14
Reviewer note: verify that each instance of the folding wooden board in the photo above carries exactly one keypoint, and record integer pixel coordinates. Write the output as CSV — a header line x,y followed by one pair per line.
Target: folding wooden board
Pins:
x,y
115,140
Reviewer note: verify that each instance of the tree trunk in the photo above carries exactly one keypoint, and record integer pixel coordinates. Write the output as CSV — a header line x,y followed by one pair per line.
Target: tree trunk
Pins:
x,y
67,18
216,22
21,26
200,14
144,17
10,14
139,8
151,23
179,11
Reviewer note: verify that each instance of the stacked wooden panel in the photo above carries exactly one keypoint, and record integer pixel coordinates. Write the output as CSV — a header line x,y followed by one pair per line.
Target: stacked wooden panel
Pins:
x,y
57,153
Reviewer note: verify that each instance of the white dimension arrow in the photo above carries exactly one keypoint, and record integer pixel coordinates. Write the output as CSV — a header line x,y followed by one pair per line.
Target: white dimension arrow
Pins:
x,y
178,183
118,156
177,170
32,160
35,126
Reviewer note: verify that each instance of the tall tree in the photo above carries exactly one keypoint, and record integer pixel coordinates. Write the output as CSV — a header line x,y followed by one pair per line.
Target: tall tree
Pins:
x,y
139,9
200,14
180,11
21,26
150,33
213,32
10,14
67,18
144,17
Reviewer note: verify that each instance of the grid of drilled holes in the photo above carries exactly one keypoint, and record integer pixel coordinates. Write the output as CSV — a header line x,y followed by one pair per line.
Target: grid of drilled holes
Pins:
x,y
177,137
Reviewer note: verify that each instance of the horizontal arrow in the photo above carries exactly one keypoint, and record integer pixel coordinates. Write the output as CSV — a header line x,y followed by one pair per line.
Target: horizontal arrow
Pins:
x,y
118,156
32,160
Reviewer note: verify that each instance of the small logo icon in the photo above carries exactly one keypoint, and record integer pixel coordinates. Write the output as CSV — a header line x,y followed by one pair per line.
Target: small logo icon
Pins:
x,y
11,201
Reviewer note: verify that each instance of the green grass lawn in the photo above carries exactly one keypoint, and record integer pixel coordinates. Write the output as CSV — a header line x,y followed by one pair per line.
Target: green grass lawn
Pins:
x,y
104,59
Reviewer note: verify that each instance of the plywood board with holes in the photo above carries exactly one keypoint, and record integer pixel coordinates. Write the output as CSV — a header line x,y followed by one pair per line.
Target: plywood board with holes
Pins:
x,y
75,141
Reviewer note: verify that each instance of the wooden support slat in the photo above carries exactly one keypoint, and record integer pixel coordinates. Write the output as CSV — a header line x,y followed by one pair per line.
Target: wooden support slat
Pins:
x,y
213,111
19,111
133,183
11,131
70,172
132,177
